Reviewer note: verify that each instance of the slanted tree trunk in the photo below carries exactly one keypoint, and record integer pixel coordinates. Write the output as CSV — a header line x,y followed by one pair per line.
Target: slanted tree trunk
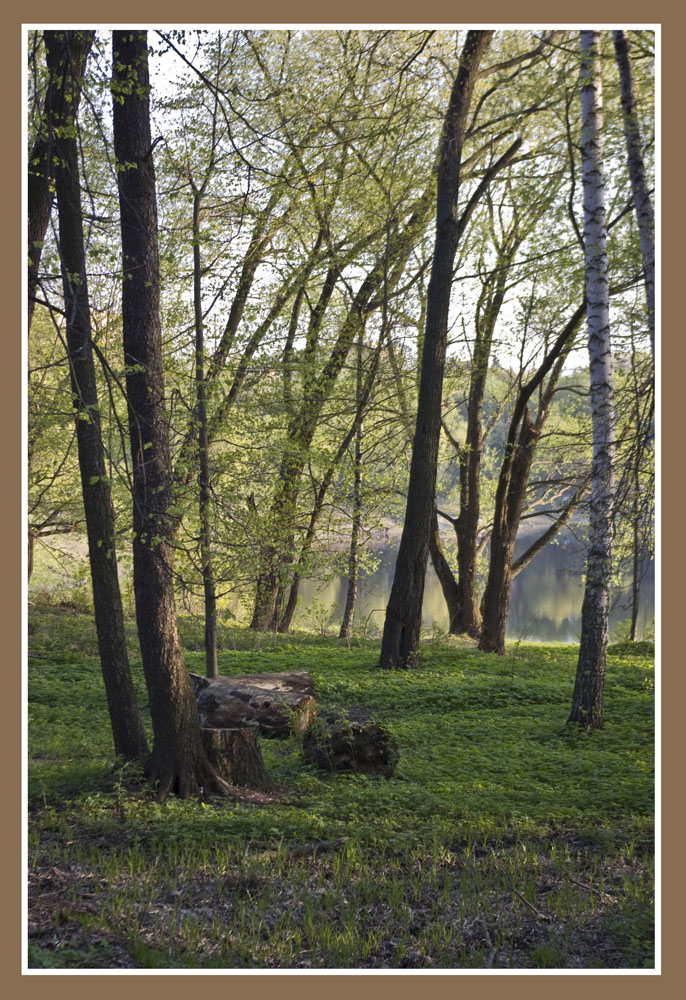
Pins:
x,y
587,699
74,56
400,643
127,725
451,591
520,448
178,761
522,561
639,187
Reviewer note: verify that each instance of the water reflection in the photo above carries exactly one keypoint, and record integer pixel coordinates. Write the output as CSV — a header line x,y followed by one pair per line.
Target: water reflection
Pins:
x,y
545,601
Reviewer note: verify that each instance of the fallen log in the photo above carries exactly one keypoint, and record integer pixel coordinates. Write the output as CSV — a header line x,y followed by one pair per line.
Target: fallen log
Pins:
x,y
276,703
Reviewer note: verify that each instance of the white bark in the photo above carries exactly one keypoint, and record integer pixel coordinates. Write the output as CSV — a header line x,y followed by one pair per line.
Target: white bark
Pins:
x,y
587,700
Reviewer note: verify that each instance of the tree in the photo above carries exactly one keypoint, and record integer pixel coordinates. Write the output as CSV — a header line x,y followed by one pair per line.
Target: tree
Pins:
x,y
381,249
400,641
587,699
42,156
635,495
198,189
523,436
127,726
52,479
178,761
639,187
461,594
356,518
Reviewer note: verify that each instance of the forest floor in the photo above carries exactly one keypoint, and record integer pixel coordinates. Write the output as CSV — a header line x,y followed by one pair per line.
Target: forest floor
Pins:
x,y
506,839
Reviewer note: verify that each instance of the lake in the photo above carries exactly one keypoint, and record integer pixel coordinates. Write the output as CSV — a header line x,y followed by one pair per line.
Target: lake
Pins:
x,y
545,601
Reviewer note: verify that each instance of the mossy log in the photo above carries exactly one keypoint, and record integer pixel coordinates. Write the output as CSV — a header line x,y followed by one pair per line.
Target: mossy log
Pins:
x,y
278,703
351,741
236,756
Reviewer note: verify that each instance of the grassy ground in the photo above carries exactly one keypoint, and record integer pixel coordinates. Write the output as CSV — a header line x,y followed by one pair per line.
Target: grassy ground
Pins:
x,y
505,839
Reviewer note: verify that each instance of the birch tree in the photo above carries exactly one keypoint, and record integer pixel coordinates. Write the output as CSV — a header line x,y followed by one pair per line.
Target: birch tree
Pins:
x,y
587,699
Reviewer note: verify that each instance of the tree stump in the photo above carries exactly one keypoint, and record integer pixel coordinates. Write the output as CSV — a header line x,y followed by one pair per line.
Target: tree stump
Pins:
x,y
352,741
236,755
278,703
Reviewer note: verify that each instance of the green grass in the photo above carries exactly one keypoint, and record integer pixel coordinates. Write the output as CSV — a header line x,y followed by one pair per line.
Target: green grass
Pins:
x,y
505,839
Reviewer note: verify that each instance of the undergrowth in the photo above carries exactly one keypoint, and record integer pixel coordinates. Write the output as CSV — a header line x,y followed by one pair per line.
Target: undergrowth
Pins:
x,y
505,838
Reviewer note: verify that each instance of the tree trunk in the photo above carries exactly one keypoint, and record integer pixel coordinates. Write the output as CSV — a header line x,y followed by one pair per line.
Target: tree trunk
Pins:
x,y
467,524
71,68
178,762
587,699
635,580
496,600
31,548
127,726
400,643
639,188
204,495
636,561
520,447
236,755
449,586
354,558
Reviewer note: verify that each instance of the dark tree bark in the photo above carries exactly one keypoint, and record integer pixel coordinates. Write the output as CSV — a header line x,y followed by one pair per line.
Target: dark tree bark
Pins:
x,y
639,187
127,725
520,449
71,66
236,754
400,643
464,608
178,762
496,599
467,523
587,699
451,591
